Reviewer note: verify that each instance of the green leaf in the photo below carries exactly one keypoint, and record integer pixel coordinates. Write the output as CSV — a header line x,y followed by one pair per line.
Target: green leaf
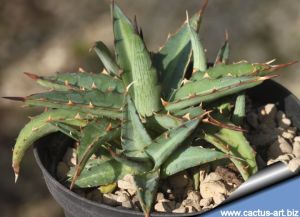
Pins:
x,y
134,59
67,130
80,81
233,143
167,121
134,137
173,58
147,185
207,90
107,59
198,51
91,101
37,128
223,53
239,109
188,157
100,172
239,69
138,161
94,135
191,112
164,146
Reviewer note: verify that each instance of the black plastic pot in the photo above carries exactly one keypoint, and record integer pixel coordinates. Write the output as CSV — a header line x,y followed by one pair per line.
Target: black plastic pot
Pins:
x,y
76,206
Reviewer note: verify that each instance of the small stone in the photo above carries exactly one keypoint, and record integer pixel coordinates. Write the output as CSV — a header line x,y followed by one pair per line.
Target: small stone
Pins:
x,y
169,191
181,209
285,158
179,180
127,183
228,176
110,199
267,115
284,123
127,204
95,195
209,189
279,116
194,196
62,170
167,206
279,147
206,208
297,139
190,209
121,196
206,201
218,198
294,165
288,135
292,130
160,196
212,177
270,110
296,148
70,157
193,199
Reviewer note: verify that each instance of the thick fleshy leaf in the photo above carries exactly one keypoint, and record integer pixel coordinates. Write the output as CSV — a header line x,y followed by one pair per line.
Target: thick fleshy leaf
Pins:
x,y
173,58
164,146
134,137
190,112
147,185
100,172
235,144
199,63
239,69
134,58
239,109
167,121
94,135
80,81
188,157
37,128
91,101
138,161
207,90
107,59
223,53
68,130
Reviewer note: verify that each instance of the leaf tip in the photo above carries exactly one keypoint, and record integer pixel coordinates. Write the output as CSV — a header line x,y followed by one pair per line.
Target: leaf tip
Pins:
x,y
32,76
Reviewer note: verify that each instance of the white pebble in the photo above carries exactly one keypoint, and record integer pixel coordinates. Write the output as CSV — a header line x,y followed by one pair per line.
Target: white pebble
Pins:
x,y
294,165
181,209
296,148
218,198
206,201
209,189
279,147
284,123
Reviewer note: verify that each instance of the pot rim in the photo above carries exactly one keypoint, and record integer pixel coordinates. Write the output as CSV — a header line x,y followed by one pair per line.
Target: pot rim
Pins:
x,y
261,175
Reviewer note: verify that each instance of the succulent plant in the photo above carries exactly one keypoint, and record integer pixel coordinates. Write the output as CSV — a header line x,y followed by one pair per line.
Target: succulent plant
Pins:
x,y
151,115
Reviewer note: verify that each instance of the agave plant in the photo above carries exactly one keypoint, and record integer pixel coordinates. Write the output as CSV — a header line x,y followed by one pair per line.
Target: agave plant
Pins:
x,y
147,114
